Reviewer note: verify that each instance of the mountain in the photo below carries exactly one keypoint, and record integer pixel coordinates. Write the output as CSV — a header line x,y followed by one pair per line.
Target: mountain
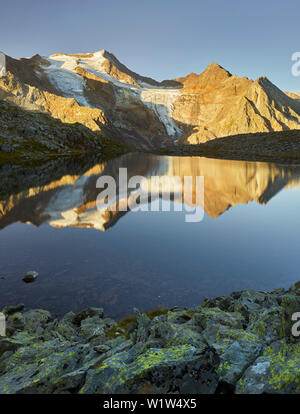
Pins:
x,y
98,91
294,95
222,104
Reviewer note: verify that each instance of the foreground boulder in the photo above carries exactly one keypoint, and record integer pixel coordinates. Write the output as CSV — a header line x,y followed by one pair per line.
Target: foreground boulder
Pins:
x,y
177,369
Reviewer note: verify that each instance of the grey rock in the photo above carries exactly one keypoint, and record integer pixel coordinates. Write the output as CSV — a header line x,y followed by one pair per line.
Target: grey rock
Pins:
x,y
10,310
8,345
144,323
37,368
277,370
88,313
101,349
240,342
166,371
36,320
15,322
236,348
30,276
67,328
92,330
6,148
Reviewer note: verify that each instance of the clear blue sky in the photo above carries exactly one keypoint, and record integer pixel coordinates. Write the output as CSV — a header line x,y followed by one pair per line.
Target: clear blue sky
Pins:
x,y
162,38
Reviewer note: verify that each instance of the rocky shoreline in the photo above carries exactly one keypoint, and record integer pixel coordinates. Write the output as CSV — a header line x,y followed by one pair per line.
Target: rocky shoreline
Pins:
x,y
239,343
281,147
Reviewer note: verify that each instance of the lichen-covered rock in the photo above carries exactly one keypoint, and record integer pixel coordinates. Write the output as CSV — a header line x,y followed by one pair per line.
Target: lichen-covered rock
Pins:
x,y
66,328
88,313
36,320
171,334
10,310
236,343
8,345
46,367
143,326
277,370
14,323
92,330
236,348
207,316
267,324
178,369
251,302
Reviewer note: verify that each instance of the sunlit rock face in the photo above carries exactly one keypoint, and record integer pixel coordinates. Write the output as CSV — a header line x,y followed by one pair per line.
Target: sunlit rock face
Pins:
x,y
98,91
218,104
73,200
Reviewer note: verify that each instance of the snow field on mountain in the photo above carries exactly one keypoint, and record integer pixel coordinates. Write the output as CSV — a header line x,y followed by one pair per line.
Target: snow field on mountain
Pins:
x,y
62,75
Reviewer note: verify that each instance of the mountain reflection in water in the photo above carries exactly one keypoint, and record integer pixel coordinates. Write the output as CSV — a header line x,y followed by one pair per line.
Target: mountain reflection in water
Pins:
x,y
71,200
146,259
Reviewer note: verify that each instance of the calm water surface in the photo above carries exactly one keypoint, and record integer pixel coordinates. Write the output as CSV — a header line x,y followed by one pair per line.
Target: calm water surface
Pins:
x,y
249,238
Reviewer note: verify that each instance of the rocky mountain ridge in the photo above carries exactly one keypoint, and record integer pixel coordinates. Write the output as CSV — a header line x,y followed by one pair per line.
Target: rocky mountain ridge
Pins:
x,y
98,91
